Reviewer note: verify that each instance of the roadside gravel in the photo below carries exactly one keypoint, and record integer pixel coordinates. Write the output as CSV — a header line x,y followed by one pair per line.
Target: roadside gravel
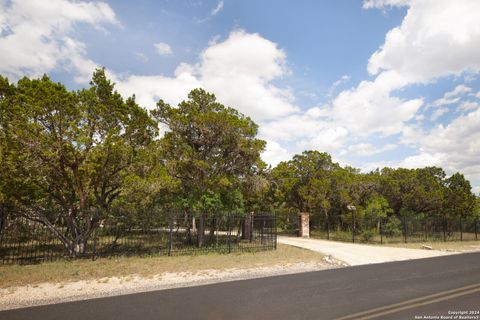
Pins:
x,y
48,293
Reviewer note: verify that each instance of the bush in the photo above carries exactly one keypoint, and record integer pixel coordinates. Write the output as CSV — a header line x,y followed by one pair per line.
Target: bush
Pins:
x,y
367,235
393,227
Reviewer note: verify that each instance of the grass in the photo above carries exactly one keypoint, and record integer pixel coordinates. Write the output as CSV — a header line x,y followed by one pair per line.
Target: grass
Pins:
x,y
437,245
398,240
63,271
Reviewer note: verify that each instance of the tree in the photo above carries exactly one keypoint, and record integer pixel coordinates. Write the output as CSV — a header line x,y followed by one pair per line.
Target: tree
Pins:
x,y
377,207
69,153
211,149
310,182
459,199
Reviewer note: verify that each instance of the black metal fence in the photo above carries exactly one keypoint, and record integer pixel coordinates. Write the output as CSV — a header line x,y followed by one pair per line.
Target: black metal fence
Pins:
x,y
24,242
391,229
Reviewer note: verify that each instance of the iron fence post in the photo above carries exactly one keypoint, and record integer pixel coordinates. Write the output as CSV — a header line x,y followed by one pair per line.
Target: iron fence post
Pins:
x,y
461,229
328,229
275,230
94,244
476,233
380,229
444,229
426,232
170,236
229,233
353,227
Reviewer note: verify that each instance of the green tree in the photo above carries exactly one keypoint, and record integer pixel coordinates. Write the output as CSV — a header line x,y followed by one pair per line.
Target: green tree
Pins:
x,y
459,199
211,149
377,207
69,153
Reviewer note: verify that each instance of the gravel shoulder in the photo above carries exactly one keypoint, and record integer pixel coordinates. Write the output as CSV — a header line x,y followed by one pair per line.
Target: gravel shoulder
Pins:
x,y
48,293
360,254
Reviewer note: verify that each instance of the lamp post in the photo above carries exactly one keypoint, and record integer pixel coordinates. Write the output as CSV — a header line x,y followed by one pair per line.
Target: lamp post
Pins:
x,y
352,209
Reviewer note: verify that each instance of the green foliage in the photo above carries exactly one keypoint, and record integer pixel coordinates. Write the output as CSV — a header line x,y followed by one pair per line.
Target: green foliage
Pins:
x,y
377,207
68,153
211,149
393,228
368,235
73,159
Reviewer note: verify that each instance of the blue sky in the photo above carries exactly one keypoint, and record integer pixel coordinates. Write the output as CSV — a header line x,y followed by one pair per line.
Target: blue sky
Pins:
x,y
375,83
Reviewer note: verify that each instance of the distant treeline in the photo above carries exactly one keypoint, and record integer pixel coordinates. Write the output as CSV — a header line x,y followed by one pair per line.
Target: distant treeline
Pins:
x,y
72,160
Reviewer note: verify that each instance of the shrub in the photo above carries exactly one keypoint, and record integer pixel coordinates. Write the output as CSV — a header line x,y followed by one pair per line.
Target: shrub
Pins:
x,y
367,235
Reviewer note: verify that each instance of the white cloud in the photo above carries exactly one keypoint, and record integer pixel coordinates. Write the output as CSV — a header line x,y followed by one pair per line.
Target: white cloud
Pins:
x,y
328,139
163,48
368,4
217,9
274,153
141,56
467,106
312,129
436,38
343,79
239,70
451,97
37,37
370,108
476,190
367,149
438,113
413,53
455,147
459,90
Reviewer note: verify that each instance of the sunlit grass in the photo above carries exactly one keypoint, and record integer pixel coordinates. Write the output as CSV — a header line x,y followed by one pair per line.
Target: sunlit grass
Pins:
x,y
61,271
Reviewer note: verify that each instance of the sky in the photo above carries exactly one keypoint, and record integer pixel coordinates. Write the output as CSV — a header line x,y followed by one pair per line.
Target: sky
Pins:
x,y
374,83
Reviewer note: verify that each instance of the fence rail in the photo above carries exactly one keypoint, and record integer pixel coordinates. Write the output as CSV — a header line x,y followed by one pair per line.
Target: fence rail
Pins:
x,y
23,241
391,229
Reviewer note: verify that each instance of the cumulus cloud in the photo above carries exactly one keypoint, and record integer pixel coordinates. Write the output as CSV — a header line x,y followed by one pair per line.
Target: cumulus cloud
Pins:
x,y
37,37
239,70
455,147
417,48
163,48
370,107
274,153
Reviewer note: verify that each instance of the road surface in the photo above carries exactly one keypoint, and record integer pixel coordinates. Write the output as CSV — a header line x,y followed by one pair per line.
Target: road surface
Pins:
x,y
397,290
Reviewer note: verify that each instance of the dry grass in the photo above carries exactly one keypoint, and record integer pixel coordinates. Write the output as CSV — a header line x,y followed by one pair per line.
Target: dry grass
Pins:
x,y
437,245
16,275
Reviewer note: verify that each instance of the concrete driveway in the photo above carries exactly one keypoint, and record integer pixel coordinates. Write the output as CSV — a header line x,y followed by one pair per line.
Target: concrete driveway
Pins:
x,y
359,254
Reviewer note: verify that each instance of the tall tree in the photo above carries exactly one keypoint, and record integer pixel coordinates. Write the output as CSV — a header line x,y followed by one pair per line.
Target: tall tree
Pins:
x,y
459,199
69,153
210,148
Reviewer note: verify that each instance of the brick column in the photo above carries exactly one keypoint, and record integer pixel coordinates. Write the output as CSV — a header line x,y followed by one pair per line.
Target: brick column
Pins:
x,y
304,224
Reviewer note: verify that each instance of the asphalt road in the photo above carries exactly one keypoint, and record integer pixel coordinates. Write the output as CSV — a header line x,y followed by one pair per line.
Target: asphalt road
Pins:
x,y
398,290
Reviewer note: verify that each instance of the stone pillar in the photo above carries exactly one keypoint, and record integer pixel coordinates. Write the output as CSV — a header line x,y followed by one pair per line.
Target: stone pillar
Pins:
x,y
304,225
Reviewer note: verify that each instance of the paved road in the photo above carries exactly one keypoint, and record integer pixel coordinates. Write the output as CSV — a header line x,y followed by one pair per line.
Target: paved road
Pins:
x,y
396,290
355,254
